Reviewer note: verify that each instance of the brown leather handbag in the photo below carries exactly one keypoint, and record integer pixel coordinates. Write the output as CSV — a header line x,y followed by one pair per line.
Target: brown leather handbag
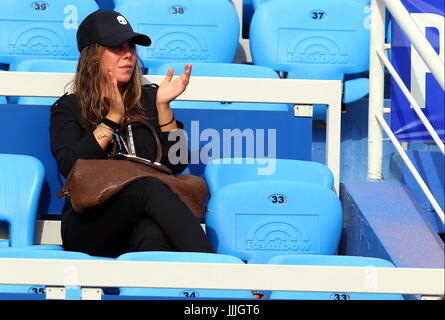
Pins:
x,y
92,182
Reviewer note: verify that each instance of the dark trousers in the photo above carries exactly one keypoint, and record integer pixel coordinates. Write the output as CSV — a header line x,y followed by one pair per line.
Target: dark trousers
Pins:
x,y
145,216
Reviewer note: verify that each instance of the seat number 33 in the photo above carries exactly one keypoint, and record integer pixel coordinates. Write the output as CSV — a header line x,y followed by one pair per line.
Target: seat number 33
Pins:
x,y
277,198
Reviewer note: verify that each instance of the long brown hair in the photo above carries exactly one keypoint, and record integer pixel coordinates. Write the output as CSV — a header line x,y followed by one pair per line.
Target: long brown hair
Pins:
x,y
90,83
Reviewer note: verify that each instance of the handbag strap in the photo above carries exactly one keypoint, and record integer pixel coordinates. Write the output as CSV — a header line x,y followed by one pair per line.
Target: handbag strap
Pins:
x,y
152,130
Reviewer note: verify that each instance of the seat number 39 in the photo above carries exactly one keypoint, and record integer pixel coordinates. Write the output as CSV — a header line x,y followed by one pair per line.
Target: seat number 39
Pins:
x,y
39,5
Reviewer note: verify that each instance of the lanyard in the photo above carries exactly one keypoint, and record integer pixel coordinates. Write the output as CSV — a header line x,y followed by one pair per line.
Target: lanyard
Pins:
x,y
132,150
128,145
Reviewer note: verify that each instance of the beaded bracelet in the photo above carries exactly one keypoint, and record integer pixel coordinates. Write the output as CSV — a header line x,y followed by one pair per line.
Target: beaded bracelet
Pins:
x,y
106,132
103,126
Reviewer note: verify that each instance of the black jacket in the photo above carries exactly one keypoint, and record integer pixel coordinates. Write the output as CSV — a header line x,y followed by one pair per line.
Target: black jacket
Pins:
x,y
72,138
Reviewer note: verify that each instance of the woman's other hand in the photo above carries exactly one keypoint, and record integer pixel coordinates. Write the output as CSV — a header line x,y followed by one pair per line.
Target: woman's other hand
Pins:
x,y
171,88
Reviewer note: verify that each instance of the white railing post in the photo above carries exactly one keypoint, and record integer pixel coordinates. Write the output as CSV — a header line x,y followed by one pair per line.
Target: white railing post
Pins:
x,y
376,90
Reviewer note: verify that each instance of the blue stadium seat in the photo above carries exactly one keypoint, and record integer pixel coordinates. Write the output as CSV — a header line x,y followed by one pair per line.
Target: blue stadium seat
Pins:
x,y
44,65
232,70
41,29
257,3
72,292
314,40
256,220
184,30
221,172
196,257
334,260
21,179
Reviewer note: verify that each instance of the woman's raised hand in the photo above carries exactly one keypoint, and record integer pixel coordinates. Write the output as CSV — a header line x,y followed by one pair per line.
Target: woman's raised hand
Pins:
x,y
171,88
117,108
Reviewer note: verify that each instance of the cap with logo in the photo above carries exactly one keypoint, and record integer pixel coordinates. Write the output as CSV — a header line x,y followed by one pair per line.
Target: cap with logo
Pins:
x,y
108,28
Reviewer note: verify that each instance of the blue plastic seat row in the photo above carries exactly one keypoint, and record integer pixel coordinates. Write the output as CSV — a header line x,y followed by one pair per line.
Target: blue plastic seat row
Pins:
x,y
291,210
322,45
21,179
334,260
286,214
73,291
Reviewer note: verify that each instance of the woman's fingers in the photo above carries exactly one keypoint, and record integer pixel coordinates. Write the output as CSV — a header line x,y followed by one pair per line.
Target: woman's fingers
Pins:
x,y
168,76
113,93
113,83
171,88
186,74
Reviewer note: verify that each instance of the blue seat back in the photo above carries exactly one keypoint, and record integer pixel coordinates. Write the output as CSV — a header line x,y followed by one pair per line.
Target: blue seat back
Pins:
x,y
34,141
44,65
41,29
221,172
231,70
257,220
184,30
21,179
257,3
314,42
196,257
73,291
333,260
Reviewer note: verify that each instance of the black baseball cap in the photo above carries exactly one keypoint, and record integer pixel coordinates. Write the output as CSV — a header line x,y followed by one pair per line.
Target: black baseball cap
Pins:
x,y
108,28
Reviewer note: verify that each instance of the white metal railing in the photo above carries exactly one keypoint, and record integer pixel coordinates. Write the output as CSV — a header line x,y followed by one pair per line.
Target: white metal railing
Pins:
x,y
98,273
378,62
106,273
